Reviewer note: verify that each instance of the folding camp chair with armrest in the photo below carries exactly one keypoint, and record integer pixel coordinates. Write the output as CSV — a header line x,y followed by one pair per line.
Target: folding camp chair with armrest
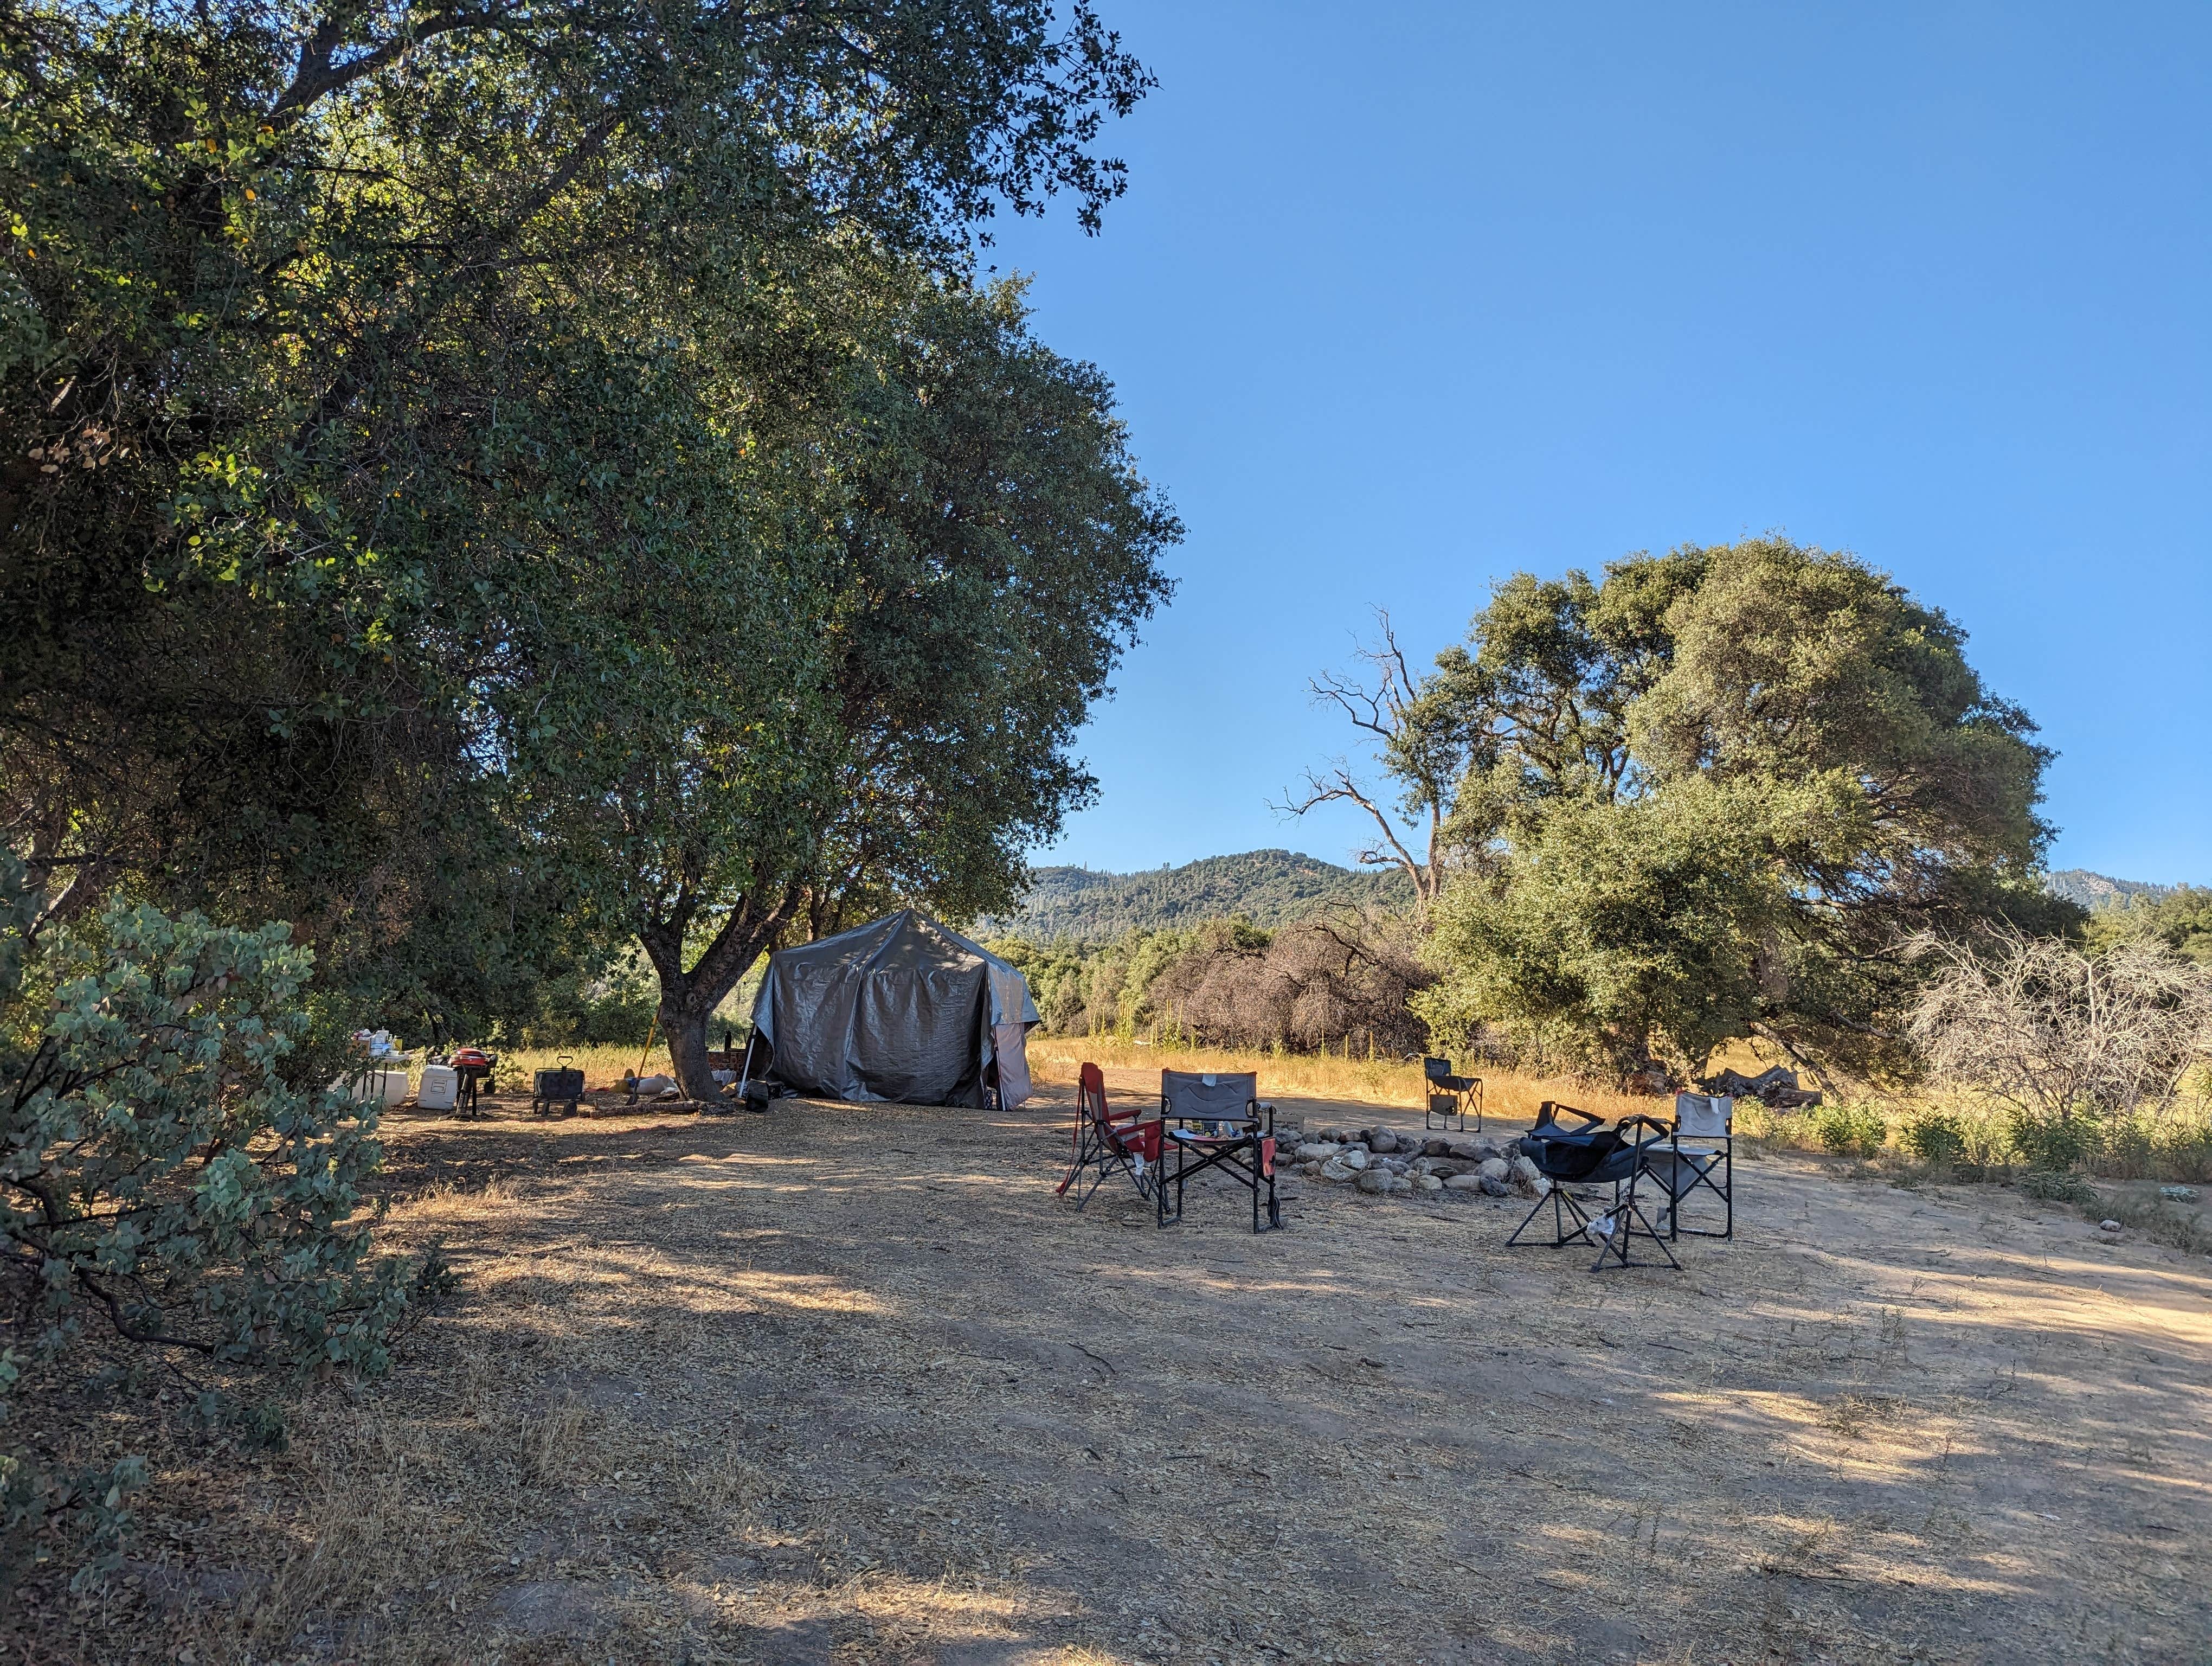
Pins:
x,y
1594,1155
1699,1154
1235,1133
1109,1142
1451,1096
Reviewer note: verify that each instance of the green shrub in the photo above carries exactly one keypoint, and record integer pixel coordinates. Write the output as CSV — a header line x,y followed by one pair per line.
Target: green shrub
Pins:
x,y
170,1183
2058,1144
1849,1130
2058,1186
1935,1137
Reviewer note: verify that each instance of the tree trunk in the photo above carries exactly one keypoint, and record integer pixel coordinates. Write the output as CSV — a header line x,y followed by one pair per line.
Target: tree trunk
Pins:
x,y
686,1030
689,997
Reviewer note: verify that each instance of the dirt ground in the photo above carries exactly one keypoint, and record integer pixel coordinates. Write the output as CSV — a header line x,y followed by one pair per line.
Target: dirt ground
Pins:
x,y
850,1384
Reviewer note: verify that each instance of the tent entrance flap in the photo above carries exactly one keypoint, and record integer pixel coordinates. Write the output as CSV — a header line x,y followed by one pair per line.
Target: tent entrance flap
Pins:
x,y
902,1009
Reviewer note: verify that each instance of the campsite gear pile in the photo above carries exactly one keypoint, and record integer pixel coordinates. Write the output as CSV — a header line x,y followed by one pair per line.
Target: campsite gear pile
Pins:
x,y
1450,1096
383,1080
1777,1089
902,1009
453,1082
1206,1120
1645,1160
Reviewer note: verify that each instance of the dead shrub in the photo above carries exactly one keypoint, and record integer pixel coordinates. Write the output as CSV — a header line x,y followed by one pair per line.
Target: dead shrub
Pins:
x,y
2059,1035
1320,983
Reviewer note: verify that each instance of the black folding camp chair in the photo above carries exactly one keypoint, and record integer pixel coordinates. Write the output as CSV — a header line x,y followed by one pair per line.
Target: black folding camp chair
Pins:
x,y
1593,1154
1216,1121
1699,1155
1450,1096
1109,1142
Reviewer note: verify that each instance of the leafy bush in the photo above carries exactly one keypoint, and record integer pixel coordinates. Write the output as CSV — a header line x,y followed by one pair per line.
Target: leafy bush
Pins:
x,y
2059,1186
2175,1146
1934,1138
2058,1145
164,1183
613,1008
1849,1130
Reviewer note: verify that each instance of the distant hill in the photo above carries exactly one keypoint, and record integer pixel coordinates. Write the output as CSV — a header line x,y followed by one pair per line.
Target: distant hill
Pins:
x,y
1267,887
2096,890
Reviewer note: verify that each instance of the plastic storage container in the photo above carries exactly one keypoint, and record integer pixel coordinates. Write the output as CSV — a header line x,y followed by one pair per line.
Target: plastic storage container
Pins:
x,y
439,1088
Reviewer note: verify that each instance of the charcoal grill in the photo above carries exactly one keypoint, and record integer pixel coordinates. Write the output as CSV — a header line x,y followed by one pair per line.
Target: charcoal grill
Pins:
x,y
561,1086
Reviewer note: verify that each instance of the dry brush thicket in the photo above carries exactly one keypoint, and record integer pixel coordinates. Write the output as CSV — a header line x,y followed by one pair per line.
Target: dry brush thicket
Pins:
x,y
2055,1034
1312,984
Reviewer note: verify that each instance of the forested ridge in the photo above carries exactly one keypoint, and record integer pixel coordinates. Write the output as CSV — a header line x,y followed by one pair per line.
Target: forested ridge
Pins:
x,y
1265,887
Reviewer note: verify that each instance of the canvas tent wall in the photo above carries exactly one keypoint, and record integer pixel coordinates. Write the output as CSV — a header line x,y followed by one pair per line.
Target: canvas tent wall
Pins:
x,y
902,1009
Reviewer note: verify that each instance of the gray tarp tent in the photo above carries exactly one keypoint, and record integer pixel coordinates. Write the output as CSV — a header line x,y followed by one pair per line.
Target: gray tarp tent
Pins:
x,y
900,1009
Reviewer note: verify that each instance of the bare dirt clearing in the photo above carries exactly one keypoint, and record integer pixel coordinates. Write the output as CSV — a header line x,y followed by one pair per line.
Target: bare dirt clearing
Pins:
x,y
845,1384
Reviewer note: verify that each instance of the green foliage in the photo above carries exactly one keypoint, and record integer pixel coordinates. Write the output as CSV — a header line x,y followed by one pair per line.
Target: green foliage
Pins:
x,y
1714,795
1269,888
1934,1138
2059,1185
1093,989
2180,918
616,1006
404,414
1849,1130
2093,891
2055,1144
165,1179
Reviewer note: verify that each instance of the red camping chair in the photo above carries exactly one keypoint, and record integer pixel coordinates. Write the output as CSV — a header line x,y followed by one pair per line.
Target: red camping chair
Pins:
x,y
1109,1142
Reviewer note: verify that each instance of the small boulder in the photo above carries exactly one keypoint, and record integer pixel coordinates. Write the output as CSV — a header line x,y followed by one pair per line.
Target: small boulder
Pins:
x,y
1435,1148
1354,1157
1464,1182
1375,1181
1494,1185
1467,1150
1335,1169
1382,1142
2108,1226
1526,1170
1495,1168
1399,1185
1314,1151
1427,1183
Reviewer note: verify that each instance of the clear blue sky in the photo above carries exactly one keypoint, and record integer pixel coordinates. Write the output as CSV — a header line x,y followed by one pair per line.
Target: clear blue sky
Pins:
x,y
1405,297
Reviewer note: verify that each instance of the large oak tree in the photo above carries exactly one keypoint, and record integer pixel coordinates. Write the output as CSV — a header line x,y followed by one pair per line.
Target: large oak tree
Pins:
x,y
358,361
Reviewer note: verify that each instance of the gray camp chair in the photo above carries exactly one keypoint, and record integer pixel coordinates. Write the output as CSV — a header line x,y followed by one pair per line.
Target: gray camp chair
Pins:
x,y
1698,1154
1216,1121
1450,1096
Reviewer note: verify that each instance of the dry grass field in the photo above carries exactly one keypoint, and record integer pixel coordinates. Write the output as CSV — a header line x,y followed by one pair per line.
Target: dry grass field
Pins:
x,y
845,1384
